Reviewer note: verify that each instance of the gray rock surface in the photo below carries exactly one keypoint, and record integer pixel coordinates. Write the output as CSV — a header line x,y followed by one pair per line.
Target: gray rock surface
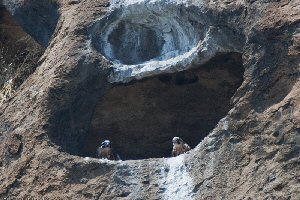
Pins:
x,y
252,153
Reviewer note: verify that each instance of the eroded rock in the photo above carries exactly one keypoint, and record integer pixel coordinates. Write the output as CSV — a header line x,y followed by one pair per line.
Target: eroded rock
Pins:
x,y
257,140
19,55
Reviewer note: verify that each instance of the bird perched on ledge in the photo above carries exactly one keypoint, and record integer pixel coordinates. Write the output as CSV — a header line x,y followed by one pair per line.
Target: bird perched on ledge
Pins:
x,y
179,146
105,150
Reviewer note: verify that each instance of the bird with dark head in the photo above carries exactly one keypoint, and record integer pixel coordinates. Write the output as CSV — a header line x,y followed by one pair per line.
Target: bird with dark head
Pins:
x,y
179,146
105,150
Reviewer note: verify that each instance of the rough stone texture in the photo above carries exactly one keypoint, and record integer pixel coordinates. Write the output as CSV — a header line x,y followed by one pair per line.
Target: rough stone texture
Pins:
x,y
253,153
19,55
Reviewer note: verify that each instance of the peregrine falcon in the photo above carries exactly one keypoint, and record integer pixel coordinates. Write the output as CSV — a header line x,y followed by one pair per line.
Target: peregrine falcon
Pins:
x,y
179,146
105,151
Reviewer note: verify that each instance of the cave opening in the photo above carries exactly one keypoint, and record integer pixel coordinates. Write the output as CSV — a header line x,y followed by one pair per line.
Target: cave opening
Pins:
x,y
140,118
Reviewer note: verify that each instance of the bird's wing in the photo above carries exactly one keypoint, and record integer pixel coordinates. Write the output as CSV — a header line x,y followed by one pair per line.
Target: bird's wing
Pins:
x,y
174,152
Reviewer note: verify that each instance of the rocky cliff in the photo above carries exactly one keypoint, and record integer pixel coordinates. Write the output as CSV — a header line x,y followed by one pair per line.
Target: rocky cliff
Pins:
x,y
19,55
223,75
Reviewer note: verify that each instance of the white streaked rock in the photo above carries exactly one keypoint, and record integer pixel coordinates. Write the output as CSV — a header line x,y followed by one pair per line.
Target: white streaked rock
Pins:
x,y
146,38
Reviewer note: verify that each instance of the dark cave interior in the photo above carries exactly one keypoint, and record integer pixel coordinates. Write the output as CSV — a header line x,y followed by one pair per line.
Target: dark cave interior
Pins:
x,y
140,118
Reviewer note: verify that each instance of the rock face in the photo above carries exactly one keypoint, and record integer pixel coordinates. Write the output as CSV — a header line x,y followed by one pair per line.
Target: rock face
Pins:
x,y
19,54
222,74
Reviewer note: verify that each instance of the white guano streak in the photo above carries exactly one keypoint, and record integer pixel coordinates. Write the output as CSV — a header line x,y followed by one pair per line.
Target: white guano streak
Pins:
x,y
177,182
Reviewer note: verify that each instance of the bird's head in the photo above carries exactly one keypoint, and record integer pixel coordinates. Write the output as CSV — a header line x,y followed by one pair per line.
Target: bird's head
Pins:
x,y
177,140
106,144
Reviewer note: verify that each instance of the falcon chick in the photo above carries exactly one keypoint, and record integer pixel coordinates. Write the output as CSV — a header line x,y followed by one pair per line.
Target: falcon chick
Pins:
x,y
105,151
179,146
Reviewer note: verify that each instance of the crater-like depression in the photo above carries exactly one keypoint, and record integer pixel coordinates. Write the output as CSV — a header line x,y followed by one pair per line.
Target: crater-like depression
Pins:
x,y
174,72
144,33
140,118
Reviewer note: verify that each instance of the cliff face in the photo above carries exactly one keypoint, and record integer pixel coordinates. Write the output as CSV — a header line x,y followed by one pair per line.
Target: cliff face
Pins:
x,y
19,54
222,74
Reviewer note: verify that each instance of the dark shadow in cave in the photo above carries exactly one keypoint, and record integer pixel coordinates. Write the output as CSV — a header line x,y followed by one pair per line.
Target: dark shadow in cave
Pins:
x,y
142,117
